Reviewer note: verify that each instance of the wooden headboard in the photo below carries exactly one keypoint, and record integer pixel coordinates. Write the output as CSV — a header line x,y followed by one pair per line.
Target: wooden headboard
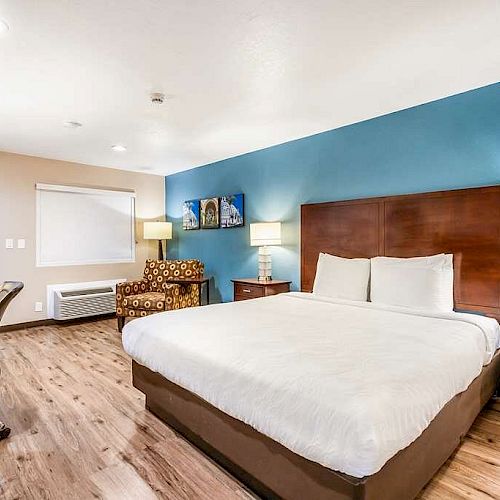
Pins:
x,y
464,222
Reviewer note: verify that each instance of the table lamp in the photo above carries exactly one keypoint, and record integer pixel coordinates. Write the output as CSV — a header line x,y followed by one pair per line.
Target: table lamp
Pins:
x,y
158,231
263,235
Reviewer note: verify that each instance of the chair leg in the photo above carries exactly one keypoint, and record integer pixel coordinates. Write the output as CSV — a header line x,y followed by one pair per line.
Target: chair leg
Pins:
x,y
4,431
121,323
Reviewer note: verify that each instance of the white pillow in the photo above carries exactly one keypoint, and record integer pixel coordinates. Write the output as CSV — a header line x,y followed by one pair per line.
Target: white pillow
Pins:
x,y
429,261
341,278
424,283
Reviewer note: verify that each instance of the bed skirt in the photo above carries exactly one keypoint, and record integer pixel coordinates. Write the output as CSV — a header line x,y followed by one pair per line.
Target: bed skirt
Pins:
x,y
273,471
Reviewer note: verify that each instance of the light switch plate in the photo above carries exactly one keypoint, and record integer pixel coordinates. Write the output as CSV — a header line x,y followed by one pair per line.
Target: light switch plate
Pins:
x,y
9,243
38,306
21,243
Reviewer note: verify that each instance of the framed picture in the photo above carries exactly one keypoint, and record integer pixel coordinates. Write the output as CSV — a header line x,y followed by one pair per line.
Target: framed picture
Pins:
x,y
210,213
191,215
232,210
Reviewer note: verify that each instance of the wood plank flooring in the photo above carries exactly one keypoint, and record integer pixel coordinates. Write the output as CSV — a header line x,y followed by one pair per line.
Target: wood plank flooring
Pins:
x,y
80,430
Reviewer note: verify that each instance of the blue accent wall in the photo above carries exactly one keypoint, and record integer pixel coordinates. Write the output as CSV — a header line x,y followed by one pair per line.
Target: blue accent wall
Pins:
x,y
446,144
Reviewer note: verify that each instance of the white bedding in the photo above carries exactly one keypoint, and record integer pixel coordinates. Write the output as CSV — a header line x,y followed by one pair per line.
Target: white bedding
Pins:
x,y
345,384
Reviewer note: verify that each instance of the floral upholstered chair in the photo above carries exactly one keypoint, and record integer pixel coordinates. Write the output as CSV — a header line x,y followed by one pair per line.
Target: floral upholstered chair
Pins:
x,y
154,293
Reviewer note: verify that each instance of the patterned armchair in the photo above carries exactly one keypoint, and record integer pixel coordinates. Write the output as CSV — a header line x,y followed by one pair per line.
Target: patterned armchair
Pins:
x,y
154,293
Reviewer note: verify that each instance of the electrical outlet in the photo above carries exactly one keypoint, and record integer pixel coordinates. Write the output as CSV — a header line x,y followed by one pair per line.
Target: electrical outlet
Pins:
x,y
9,243
21,243
38,306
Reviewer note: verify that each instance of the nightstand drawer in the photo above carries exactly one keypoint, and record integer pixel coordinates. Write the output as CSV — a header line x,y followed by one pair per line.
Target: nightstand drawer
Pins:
x,y
248,291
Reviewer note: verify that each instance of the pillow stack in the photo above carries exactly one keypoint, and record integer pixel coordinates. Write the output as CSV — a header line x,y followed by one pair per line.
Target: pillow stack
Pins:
x,y
420,282
424,283
340,278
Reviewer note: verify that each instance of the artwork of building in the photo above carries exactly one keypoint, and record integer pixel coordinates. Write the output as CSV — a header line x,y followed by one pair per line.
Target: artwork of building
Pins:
x,y
210,213
231,210
191,215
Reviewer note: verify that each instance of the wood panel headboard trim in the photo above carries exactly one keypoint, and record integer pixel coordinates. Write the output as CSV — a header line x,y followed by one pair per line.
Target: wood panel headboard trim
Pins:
x,y
465,222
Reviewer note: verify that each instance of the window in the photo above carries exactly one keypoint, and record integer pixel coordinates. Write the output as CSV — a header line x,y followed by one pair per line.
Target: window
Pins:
x,y
77,226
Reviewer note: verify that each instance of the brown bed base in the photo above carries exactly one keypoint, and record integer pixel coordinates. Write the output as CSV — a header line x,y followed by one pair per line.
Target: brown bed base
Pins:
x,y
273,471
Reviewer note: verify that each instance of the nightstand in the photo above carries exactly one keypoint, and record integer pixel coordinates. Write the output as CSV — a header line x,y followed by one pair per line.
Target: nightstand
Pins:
x,y
252,288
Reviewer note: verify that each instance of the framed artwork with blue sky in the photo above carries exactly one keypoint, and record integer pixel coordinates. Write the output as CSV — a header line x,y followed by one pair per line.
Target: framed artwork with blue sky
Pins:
x,y
232,211
191,215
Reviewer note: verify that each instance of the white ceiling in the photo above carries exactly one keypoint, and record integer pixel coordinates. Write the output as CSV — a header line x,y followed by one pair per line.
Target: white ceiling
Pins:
x,y
241,74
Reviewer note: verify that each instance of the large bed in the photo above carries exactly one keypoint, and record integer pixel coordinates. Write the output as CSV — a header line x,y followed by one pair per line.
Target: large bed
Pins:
x,y
303,396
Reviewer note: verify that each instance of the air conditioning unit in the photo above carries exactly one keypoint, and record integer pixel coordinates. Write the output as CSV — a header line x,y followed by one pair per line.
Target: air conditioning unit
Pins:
x,y
80,300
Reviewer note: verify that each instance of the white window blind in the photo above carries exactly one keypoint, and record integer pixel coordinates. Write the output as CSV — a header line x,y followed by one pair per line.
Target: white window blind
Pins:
x,y
77,226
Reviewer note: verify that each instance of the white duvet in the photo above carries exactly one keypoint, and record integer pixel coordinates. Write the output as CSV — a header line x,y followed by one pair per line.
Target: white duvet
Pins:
x,y
345,384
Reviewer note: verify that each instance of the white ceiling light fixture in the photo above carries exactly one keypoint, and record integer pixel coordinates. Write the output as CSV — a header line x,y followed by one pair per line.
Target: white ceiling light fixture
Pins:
x,y
4,27
119,147
72,124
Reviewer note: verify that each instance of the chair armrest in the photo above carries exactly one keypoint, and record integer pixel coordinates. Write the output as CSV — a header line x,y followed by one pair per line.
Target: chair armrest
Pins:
x,y
131,288
173,296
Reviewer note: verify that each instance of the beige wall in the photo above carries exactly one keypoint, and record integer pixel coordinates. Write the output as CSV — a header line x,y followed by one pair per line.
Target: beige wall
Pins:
x,y
18,176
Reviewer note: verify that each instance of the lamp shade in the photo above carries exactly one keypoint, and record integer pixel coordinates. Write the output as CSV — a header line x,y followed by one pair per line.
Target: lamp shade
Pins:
x,y
157,230
265,233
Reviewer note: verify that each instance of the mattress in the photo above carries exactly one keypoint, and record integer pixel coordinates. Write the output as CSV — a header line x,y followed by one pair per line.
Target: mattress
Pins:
x,y
345,384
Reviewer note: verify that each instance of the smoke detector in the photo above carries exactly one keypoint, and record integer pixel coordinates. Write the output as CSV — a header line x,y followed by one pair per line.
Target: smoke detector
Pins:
x,y
157,98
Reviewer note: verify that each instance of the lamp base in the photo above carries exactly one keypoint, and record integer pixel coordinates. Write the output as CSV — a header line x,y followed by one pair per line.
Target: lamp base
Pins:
x,y
160,250
265,264
265,278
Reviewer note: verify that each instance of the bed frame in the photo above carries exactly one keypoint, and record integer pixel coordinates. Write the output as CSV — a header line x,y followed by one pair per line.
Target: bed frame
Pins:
x,y
463,222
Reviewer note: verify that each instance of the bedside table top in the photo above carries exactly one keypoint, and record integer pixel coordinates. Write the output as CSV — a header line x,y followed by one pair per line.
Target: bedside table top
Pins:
x,y
255,281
